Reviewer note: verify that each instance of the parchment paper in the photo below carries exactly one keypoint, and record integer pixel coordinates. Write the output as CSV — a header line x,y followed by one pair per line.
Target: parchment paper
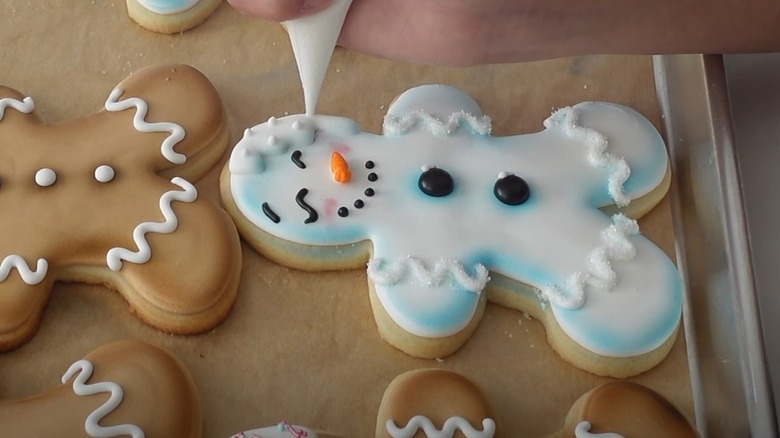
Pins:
x,y
303,347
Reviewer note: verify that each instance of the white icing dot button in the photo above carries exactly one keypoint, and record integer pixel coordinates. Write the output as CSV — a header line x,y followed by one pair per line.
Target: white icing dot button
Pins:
x,y
104,173
45,177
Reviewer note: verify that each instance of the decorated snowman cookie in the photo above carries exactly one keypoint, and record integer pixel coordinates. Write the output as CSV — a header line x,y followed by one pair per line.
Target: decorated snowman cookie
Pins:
x,y
445,217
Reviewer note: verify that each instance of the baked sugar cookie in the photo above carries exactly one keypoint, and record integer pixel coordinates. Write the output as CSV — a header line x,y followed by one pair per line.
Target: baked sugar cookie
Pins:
x,y
448,217
126,388
109,199
171,16
623,409
435,403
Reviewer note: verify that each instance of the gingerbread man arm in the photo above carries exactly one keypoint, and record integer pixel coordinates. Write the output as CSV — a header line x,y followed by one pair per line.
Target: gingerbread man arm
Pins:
x,y
191,125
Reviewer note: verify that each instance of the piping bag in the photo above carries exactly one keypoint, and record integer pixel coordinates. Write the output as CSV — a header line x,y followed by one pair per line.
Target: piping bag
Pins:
x,y
313,39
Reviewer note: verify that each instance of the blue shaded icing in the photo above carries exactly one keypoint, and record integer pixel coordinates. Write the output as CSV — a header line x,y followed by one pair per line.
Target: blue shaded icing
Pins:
x,y
166,7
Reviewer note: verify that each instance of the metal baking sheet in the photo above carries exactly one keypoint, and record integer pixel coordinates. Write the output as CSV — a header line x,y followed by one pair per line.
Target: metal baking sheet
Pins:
x,y
731,393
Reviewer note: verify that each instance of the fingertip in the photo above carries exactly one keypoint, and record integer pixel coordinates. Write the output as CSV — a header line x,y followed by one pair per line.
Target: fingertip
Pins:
x,y
279,10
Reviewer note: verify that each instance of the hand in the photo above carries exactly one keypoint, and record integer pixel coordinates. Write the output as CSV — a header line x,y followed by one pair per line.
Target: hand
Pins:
x,y
470,32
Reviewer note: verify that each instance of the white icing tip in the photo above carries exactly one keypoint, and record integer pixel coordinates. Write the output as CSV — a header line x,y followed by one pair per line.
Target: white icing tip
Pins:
x,y
503,174
297,125
273,140
272,121
313,39
104,173
45,177
247,132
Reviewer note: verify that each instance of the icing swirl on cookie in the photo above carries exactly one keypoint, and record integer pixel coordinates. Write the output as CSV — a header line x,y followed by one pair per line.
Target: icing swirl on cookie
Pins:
x,y
116,255
583,431
25,105
28,275
453,424
82,370
141,125
387,273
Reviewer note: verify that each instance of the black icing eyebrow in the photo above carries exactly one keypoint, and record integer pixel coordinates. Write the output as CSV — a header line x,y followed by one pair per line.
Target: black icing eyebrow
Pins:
x,y
296,158
299,198
270,213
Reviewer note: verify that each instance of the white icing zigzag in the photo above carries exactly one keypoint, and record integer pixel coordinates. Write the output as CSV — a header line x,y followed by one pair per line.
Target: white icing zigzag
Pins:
x,y
84,369
386,273
394,125
452,425
28,275
23,106
116,255
583,431
600,277
177,132
598,156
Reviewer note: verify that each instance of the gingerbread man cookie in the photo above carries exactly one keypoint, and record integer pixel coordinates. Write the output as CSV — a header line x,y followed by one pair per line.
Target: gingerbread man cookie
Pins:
x,y
108,199
623,409
128,389
435,403
449,217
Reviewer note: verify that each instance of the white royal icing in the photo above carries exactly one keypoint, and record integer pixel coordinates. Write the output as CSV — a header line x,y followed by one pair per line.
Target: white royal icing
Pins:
x,y
313,39
104,173
82,370
452,425
25,105
386,273
167,7
28,275
610,289
141,125
583,431
116,255
45,177
600,276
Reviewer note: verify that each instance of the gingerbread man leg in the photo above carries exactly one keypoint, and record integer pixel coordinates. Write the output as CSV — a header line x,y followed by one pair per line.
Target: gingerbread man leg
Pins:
x,y
126,388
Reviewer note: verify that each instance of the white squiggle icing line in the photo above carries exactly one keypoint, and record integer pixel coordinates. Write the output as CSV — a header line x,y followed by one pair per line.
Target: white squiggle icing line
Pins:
x,y
568,119
452,424
116,255
141,107
84,369
28,275
25,105
600,276
394,125
386,273
583,431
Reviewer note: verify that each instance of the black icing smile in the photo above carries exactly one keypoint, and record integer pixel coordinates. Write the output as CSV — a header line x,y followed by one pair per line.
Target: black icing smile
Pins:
x,y
301,201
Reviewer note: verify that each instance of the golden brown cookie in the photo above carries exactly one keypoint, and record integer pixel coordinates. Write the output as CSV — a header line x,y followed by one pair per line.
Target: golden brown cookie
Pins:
x,y
625,409
126,388
109,199
435,403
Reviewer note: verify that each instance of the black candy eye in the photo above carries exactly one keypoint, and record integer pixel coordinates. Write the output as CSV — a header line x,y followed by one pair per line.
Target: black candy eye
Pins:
x,y
511,189
435,182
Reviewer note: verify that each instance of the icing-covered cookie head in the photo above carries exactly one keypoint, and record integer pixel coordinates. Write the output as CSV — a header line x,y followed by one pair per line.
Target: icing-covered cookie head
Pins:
x,y
108,199
448,216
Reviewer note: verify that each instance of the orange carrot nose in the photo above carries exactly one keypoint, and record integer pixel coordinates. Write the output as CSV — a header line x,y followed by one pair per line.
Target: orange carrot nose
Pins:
x,y
340,168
